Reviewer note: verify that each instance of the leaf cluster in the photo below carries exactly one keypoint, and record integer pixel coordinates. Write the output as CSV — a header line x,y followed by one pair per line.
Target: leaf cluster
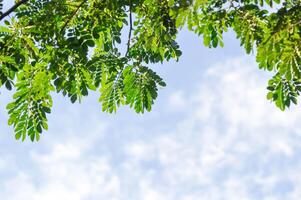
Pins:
x,y
73,47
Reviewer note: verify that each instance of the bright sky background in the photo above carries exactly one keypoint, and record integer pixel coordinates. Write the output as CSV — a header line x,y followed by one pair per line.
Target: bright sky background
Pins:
x,y
212,135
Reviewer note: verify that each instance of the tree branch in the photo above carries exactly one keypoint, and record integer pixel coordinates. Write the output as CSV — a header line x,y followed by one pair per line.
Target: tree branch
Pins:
x,y
72,15
12,9
130,31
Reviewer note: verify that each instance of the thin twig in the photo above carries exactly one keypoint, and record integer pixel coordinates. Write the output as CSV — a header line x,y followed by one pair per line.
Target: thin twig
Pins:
x,y
130,31
12,9
72,15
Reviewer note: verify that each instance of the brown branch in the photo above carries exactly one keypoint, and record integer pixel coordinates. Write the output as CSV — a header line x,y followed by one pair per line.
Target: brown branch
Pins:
x,y
130,31
72,15
12,9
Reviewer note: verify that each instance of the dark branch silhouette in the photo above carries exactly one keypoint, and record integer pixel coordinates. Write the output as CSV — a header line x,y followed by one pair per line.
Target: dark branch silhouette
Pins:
x,y
12,9
130,30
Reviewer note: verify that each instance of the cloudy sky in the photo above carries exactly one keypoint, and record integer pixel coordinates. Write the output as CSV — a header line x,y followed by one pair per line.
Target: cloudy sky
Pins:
x,y
212,135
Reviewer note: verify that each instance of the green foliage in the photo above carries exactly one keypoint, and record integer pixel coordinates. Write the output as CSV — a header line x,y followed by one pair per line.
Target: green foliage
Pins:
x,y
283,91
73,46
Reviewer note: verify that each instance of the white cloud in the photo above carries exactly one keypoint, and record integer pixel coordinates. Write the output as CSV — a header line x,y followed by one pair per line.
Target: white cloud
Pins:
x,y
177,101
64,170
234,144
230,144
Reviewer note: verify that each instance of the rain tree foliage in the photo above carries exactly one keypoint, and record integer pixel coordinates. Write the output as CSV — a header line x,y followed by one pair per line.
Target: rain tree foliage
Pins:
x,y
72,47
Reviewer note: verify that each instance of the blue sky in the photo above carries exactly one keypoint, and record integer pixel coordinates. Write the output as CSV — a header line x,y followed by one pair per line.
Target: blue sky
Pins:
x,y
212,135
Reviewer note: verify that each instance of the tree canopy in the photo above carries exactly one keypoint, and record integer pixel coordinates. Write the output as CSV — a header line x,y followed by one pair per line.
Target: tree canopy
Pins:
x,y
72,47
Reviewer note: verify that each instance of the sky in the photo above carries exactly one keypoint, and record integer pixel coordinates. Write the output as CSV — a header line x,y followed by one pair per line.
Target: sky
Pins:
x,y
211,135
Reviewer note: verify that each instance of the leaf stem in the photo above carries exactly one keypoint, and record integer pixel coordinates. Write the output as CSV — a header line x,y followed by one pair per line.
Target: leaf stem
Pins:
x,y
130,30
72,15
